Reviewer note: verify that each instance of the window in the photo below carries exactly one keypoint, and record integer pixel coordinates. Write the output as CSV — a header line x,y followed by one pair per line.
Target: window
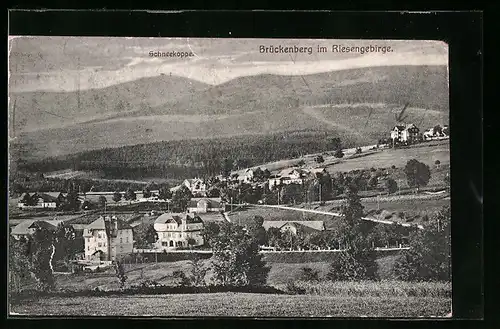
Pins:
x,y
99,244
126,239
121,240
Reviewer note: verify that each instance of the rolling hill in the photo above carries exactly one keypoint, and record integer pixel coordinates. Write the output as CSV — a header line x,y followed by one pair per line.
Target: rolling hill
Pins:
x,y
358,104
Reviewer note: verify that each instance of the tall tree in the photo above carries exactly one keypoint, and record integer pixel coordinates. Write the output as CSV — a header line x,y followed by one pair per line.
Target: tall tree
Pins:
x,y
19,262
67,244
257,231
358,259
181,198
146,192
102,201
145,235
42,250
429,256
117,196
417,173
164,192
236,258
335,143
391,185
130,194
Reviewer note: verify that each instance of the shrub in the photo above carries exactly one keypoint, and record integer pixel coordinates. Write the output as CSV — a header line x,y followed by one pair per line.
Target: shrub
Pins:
x,y
338,154
429,256
309,274
293,289
391,185
120,273
346,268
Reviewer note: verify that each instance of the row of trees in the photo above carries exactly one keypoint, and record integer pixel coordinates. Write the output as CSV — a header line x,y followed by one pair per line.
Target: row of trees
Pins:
x,y
189,158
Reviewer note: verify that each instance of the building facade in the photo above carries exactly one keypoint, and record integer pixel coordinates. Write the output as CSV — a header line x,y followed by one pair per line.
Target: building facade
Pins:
x,y
405,134
108,238
197,186
205,205
289,176
178,230
39,201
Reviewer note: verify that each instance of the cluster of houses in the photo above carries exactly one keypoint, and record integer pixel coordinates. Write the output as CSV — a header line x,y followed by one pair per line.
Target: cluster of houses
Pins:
x,y
40,200
410,133
108,236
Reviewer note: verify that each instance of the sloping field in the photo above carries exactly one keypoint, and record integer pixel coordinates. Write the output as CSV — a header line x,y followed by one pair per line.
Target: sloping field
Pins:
x,y
427,153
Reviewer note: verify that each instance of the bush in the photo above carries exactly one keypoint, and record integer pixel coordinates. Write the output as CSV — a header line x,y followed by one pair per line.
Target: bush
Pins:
x,y
391,185
354,265
429,256
294,289
309,274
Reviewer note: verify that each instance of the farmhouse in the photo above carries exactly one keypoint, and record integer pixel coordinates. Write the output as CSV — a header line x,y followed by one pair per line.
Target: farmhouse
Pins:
x,y
28,227
40,201
177,230
107,238
197,186
205,205
405,134
289,176
295,227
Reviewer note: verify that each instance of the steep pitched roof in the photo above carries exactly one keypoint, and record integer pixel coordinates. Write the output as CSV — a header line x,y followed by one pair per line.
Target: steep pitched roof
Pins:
x,y
177,218
314,224
46,197
23,227
102,224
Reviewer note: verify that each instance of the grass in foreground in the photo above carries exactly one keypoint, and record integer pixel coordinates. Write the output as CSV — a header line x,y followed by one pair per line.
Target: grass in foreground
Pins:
x,y
238,304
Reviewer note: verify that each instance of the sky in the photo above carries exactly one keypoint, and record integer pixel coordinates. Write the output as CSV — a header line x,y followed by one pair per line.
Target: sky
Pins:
x,y
71,63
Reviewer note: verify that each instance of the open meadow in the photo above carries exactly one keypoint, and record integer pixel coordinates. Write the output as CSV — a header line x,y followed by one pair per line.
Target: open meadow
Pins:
x,y
238,304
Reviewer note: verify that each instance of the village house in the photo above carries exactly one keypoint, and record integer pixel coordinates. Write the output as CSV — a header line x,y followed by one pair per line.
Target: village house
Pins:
x,y
177,230
405,134
295,227
246,177
205,205
197,186
107,238
40,201
289,176
28,227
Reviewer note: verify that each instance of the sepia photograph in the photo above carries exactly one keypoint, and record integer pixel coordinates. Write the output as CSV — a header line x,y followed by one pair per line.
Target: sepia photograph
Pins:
x,y
228,177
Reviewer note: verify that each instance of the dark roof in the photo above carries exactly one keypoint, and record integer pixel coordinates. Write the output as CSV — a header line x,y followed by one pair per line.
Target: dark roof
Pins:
x,y
177,218
103,223
313,224
46,197
23,227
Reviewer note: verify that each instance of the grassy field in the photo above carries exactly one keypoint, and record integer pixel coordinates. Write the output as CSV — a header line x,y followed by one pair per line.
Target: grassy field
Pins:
x,y
426,152
239,304
388,298
385,210
280,273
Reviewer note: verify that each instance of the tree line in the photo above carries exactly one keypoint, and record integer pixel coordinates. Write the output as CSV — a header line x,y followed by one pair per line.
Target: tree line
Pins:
x,y
190,158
